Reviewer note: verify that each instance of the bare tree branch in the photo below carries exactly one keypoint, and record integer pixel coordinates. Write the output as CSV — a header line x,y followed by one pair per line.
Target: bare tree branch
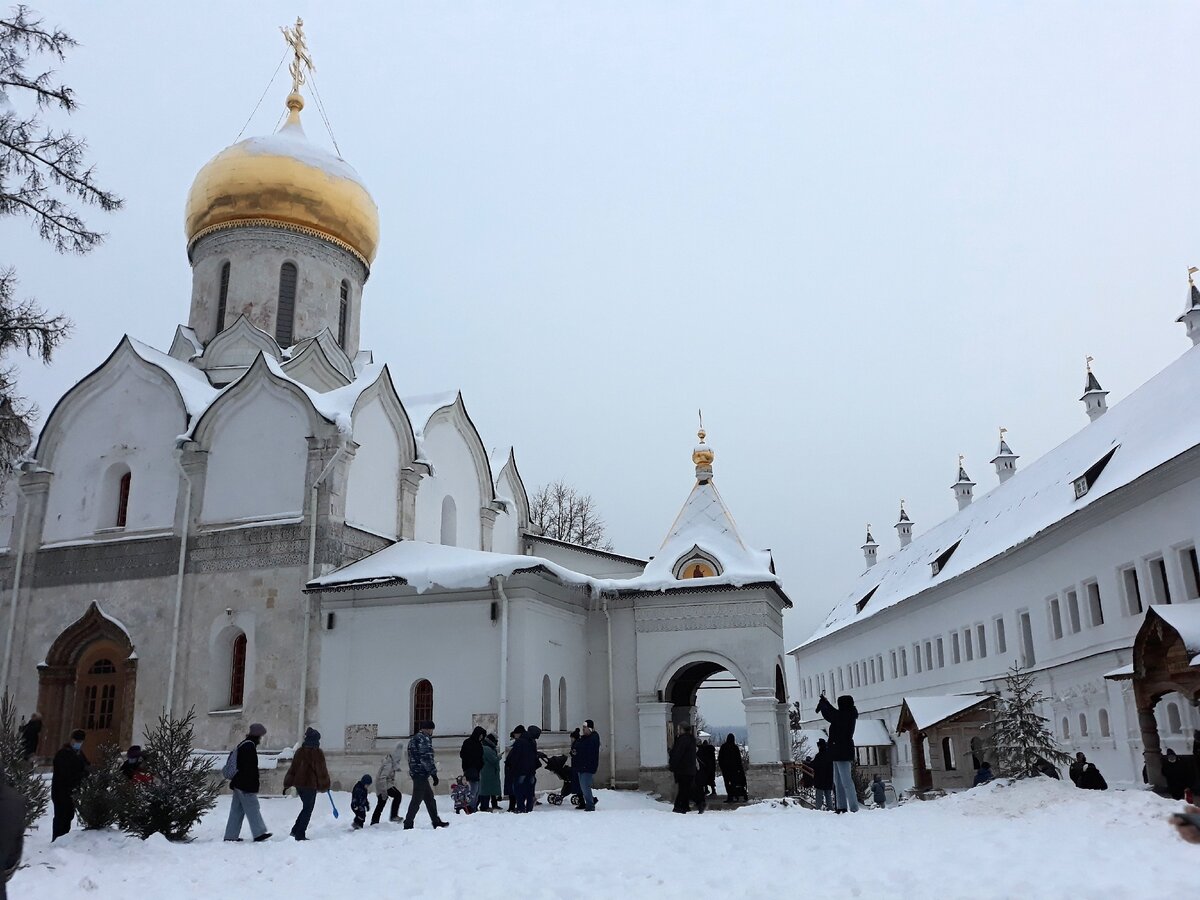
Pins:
x,y
566,514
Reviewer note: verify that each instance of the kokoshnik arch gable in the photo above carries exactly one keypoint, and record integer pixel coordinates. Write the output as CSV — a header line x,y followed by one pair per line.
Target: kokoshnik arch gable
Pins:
x,y
255,524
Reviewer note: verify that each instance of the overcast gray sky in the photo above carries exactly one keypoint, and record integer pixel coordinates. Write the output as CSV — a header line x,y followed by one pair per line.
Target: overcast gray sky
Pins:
x,y
860,236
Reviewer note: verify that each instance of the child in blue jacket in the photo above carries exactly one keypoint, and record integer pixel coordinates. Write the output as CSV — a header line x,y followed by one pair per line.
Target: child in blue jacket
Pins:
x,y
360,800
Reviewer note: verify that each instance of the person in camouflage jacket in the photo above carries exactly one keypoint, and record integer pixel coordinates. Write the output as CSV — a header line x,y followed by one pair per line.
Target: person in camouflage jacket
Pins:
x,y
422,767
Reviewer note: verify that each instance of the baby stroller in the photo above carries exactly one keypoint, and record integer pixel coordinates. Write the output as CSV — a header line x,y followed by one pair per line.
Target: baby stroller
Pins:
x,y
558,765
460,793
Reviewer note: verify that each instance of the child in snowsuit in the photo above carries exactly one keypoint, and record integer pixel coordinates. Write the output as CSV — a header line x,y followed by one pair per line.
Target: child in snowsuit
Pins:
x,y
360,800
879,792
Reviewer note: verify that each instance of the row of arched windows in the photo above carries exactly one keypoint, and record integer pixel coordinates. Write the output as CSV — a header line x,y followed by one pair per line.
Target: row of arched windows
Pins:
x,y
1102,720
285,316
562,704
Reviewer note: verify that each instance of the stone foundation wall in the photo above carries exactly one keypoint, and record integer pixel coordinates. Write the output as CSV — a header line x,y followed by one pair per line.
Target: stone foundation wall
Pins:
x,y
762,781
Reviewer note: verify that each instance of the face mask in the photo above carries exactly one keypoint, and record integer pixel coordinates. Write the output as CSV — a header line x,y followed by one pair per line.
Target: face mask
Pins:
x,y
75,745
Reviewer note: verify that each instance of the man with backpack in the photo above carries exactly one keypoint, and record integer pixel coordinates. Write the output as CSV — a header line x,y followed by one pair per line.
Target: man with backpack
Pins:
x,y
242,771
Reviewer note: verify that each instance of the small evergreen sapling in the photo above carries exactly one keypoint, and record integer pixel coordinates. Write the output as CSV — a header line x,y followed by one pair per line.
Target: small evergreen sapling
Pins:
x,y
182,789
1021,744
16,769
100,797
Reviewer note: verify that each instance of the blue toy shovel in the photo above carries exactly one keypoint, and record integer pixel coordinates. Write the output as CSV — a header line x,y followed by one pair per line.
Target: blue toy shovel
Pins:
x,y
329,794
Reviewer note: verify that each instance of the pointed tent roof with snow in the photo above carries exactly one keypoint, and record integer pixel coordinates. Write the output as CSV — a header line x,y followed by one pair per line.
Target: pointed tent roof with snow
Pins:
x,y
963,477
1092,385
1193,301
1004,451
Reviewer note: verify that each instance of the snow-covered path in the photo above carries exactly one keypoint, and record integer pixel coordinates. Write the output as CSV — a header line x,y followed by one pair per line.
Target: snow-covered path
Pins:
x,y
1030,840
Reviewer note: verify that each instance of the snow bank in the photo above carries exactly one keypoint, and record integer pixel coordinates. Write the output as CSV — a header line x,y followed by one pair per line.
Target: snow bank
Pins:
x,y
1031,840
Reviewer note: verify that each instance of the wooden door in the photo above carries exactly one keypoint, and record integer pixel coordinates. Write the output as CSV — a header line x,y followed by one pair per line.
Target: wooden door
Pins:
x,y
99,696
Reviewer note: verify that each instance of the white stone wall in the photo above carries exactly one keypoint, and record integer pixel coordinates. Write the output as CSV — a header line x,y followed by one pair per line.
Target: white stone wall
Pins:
x,y
455,473
373,491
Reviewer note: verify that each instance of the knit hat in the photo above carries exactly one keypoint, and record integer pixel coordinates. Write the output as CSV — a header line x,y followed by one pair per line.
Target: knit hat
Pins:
x,y
366,779
427,724
312,737
258,730
79,735
135,752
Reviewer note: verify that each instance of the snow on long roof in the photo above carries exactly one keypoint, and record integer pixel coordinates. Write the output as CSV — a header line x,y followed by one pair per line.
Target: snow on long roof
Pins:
x,y
871,733
1149,427
706,523
929,711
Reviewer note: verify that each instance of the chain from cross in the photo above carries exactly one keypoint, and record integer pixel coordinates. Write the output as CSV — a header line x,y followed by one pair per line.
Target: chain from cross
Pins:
x,y
301,61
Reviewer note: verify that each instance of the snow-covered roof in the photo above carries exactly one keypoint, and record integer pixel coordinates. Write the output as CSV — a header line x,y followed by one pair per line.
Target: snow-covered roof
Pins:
x,y
706,524
1120,673
871,733
290,140
1143,431
422,407
1185,620
192,383
926,712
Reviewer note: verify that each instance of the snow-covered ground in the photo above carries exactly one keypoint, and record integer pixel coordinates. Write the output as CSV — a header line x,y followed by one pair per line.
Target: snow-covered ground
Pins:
x,y
1029,840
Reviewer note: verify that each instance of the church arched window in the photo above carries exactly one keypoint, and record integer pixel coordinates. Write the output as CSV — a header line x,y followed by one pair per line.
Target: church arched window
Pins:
x,y
285,309
422,703
449,522
696,563
1104,726
237,671
545,703
1066,728
123,498
222,297
562,704
343,310
1083,730
1174,722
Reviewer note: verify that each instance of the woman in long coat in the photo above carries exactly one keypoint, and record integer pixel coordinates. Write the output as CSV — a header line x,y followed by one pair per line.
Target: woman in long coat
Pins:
x,y
489,778
732,770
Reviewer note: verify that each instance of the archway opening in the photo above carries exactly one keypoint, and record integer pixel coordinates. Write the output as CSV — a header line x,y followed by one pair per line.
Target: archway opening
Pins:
x,y
708,697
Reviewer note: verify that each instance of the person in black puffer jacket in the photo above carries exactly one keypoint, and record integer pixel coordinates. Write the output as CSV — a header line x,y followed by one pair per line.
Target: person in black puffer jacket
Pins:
x,y
244,785
525,764
471,755
841,748
684,767
822,766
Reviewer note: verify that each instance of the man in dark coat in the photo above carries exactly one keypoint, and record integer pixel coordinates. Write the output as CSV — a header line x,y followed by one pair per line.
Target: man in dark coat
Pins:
x,y
525,765
422,769
1175,774
733,773
471,755
31,731
585,760
70,768
244,786
683,766
706,759
509,777
1085,775
12,833
841,748
822,766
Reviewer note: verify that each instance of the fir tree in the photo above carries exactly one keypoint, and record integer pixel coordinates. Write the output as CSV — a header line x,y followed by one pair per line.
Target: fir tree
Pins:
x,y
17,770
182,789
1021,744
100,797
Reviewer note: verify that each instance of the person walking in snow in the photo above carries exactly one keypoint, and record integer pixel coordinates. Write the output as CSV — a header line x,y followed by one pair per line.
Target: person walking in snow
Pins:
x,y
244,786
983,775
706,762
733,772
422,768
471,755
879,791
360,801
683,766
309,775
70,768
489,778
585,760
822,766
386,786
841,748
31,732
1175,774
525,762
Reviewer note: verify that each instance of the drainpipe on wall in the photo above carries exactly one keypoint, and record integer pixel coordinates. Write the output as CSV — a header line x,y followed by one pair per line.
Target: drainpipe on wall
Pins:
x,y
16,593
183,542
502,725
612,725
305,600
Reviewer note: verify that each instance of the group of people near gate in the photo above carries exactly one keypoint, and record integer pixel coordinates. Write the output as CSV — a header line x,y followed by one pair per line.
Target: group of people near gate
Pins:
x,y
694,768
480,787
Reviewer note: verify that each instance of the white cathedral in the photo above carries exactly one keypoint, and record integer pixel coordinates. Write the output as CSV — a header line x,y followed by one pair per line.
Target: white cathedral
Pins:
x,y
255,525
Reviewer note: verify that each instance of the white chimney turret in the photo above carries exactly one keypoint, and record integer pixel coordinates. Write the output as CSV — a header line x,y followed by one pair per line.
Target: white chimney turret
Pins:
x,y
964,488
1005,460
1093,395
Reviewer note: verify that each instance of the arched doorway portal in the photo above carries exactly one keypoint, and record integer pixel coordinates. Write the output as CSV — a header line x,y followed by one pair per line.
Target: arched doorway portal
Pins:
x,y
88,681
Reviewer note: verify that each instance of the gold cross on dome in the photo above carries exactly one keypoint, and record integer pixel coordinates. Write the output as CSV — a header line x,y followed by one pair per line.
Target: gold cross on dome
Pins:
x,y
301,61
1090,360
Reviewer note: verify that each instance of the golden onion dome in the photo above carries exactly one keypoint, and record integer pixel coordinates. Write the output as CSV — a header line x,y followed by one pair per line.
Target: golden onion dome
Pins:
x,y
283,179
703,455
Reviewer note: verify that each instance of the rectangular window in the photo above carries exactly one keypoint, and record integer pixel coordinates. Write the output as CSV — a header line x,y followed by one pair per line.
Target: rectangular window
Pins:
x,y
929,654
955,652
1027,654
1073,611
1191,572
879,663
982,644
903,662
841,681
941,655
872,671
1055,619
895,671
1133,590
917,657
1095,608
1158,580
1001,644
967,645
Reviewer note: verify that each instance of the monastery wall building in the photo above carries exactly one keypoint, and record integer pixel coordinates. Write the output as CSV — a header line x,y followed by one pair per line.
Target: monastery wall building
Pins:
x,y
1053,568
257,526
